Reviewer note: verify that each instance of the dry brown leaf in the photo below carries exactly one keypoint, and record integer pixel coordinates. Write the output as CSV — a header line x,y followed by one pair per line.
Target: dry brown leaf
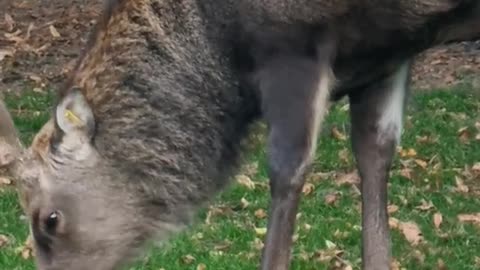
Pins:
x,y
5,181
331,198
245,181
348,267
421,163
244,203
343,155
425,206
338,135
260,231
411,152
54,31
470,218
260,213
307,227
26,251
308,188
6,52
188,259
348,178
437,220
3,240
477,137
10,23
412,232
476,167
461,187
35,78
222,246
395,265
392,208
419,256
407,173
464,134
258,244
326,255
441,265
393,223
250,169
201,266
217,211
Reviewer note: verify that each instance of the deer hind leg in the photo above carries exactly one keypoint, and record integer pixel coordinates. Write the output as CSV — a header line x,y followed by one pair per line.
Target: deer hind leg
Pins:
x,y
377,118
294,100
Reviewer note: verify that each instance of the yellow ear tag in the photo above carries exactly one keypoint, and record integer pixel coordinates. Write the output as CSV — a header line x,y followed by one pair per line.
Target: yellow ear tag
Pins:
x,y
72,117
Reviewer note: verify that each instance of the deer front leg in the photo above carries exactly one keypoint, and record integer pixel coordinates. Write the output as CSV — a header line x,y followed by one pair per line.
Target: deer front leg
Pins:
x,y
377,119
294,96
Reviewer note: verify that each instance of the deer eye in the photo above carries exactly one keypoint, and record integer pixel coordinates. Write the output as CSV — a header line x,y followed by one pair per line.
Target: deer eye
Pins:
x,y
51,222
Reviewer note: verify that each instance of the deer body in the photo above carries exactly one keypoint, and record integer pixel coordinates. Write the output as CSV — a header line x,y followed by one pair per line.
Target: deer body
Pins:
x,y
148,126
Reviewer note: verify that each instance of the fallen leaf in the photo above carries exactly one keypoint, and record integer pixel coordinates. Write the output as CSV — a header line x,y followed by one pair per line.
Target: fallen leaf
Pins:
x,y
307,227
26,251
10,23
461,187
5,181
223,246
411,152
412,232
250,169
425,139
437,220
338,135
188,259
476,167
260,231
441,265
308,188
201,267
425,206
217,211
330,244
393,223
392,208
419,256
6,52
54,31
407,173
463,134
245,181
3,240
343,155
326,255
258,244
331,198
421,163
244,203
35,78
470,218
260,213
395,265
348,178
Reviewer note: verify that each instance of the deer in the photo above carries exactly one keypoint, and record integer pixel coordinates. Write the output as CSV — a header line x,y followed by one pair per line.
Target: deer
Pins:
x,y
148,126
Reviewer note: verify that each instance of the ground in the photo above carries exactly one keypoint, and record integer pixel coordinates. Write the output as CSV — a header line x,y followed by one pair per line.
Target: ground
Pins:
x,y
434,188
39,41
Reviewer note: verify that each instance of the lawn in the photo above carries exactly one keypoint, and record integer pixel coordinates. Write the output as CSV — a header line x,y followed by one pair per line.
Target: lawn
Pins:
x,y
435,182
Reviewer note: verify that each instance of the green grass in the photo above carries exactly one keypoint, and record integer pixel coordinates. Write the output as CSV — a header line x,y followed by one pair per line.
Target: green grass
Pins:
x,y
230,241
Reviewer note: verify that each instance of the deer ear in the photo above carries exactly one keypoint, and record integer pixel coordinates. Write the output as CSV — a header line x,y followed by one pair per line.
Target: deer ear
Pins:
x,y
73,115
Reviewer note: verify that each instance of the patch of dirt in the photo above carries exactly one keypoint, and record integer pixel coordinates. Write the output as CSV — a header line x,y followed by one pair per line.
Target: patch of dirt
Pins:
x,y
39,41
